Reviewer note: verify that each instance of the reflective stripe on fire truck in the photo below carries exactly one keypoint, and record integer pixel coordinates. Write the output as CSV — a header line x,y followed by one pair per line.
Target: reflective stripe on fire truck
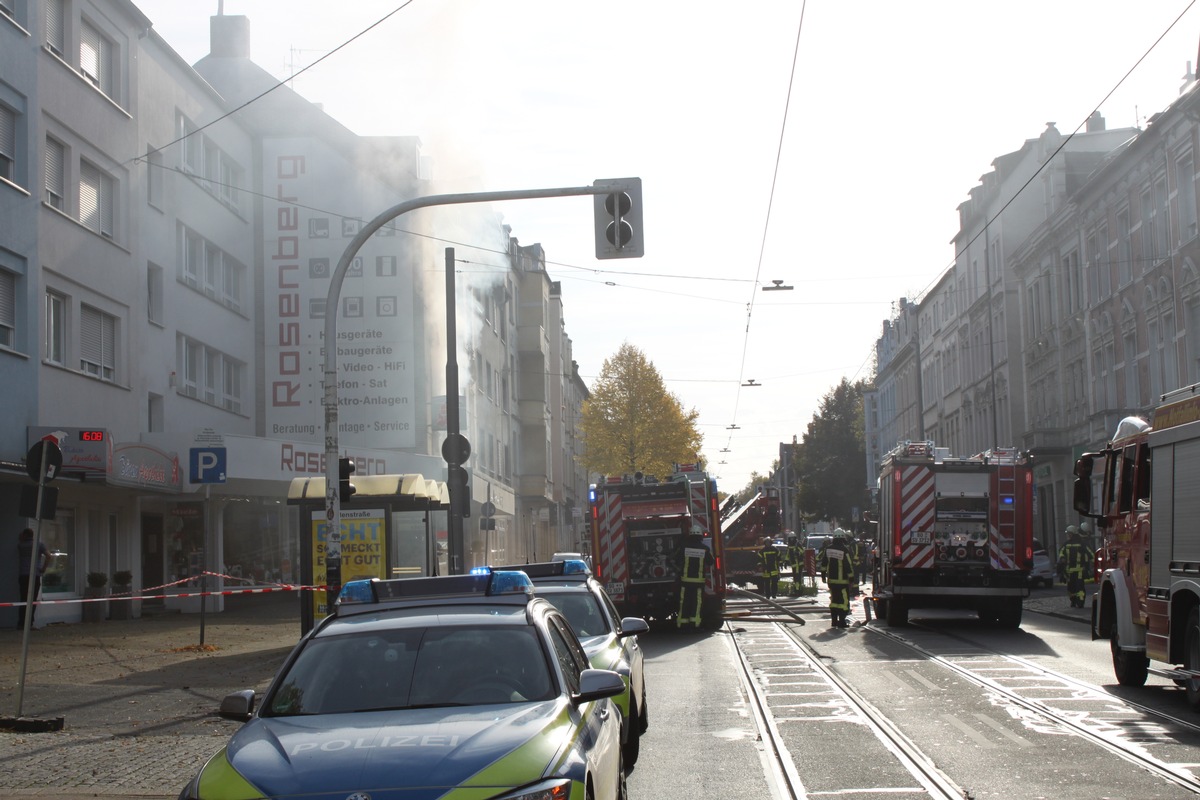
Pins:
x,y
917,513
612,544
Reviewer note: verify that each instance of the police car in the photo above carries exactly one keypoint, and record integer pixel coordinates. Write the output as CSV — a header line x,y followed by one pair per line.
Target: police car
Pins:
x,y
464,686
610,641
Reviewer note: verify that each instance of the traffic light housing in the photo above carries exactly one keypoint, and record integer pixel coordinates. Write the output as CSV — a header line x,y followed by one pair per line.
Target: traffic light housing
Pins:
x,y
618,213
459,479
345,487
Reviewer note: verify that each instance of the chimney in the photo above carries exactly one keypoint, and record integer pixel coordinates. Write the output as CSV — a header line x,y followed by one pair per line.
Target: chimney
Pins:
x,y
229,37
1095,123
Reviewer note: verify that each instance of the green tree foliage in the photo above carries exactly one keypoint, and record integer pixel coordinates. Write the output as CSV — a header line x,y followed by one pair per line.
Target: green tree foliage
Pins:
x,y
830,464
631,423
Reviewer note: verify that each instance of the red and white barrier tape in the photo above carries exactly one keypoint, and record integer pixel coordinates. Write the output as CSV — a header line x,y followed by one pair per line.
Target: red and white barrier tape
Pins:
x,y
282,587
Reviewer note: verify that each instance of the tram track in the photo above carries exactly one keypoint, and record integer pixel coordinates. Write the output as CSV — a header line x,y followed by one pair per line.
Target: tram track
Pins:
x,y
1129,751
932,781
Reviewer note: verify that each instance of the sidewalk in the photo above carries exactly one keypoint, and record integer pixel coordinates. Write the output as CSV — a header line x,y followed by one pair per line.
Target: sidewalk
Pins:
x,y
139,697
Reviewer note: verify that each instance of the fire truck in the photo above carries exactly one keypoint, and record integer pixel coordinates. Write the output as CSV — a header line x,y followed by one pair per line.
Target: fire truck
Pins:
x,y
743,530
1147,597
639,527
954,533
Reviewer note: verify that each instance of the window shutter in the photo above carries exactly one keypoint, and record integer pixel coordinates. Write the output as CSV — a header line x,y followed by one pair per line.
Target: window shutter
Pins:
x,y
89,196
90,53
91,346
106,206
108,345
54,173
54,25
8,294
8,141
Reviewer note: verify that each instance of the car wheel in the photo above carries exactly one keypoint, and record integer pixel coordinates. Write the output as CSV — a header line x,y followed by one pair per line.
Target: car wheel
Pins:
x,y
643,716
1191,659
622,784
633,744
1130,667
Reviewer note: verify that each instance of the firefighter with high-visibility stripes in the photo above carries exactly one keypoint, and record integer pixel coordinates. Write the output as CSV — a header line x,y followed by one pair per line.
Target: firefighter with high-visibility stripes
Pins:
x,y
837,568
768,568
696,560
1075,561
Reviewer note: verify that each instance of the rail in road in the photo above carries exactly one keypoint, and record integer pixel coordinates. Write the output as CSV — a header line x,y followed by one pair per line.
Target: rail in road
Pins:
x,y
827,736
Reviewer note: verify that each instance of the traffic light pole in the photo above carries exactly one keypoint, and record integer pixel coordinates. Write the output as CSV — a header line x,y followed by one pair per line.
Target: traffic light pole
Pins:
x,y
333,508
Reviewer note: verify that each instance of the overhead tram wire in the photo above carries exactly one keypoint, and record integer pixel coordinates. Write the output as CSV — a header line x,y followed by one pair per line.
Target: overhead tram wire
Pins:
x,y
787,103
283,82
1065,140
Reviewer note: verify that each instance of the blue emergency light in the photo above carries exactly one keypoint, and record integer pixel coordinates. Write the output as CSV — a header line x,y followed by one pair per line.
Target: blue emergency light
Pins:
x,y
549,569
482,582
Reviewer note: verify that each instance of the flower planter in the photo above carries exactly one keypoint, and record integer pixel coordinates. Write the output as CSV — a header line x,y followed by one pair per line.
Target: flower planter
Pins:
x,y
95,612
123,608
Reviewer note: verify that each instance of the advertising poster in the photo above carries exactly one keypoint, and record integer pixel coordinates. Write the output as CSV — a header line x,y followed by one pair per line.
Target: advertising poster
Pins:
x,y
364,550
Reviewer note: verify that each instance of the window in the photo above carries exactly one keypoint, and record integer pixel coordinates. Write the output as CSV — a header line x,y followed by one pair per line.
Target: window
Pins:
x,y
95,58
8,307
59,536
55,26
6,8
55,176
210,376
1185,186
56,328
97,343
95,200
202,157
208,269
154,177
154,293
8,143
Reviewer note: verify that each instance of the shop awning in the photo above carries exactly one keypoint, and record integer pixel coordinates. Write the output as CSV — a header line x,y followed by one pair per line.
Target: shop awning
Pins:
x,y
407,491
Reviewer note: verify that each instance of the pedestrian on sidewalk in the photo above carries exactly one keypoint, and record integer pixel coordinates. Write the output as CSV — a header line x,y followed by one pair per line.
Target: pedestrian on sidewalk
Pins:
x,y
27,562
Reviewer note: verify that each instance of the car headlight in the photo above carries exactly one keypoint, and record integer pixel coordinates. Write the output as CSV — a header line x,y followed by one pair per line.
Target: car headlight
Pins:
x,y
559,789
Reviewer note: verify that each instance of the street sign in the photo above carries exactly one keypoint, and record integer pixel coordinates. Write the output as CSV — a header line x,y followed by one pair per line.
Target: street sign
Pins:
x,y
48,451
487,509
206,465
456,449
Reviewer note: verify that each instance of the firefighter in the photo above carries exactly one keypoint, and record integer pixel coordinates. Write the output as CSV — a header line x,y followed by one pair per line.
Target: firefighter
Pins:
x,y
795,558
692,571
768,568
837,568
1074,561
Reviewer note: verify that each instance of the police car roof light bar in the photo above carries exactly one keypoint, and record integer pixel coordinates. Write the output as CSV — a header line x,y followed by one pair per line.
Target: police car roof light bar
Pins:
x,y
489,583
551,569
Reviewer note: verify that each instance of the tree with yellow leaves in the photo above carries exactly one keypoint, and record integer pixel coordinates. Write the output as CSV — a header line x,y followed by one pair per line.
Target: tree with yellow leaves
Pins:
x,y
631,423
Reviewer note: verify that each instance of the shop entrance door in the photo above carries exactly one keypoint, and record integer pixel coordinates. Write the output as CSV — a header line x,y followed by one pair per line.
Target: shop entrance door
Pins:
x,y
152,556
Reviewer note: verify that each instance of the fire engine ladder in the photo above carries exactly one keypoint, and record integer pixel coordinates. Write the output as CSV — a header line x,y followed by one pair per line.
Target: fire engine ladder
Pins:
x,y
1006,512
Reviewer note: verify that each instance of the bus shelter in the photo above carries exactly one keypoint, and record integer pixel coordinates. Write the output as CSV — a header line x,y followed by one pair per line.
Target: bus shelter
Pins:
x,y
391,528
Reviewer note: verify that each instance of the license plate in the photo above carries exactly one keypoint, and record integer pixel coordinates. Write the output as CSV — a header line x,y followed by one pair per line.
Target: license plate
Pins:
x,y
919,537
615,589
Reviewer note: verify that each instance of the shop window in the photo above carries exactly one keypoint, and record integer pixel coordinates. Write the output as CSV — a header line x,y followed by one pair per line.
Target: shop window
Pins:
x,y
59,536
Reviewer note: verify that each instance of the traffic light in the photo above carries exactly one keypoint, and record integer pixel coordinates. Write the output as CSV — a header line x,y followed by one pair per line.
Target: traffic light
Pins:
x,y
345,487
459,479
619,218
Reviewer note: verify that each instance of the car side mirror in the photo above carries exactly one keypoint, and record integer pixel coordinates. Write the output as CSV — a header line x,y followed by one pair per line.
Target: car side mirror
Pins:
x,y
631,626
597,683
238,706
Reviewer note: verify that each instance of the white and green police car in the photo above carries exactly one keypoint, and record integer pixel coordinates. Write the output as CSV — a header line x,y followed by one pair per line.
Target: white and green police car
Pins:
x,y
610,641
461,687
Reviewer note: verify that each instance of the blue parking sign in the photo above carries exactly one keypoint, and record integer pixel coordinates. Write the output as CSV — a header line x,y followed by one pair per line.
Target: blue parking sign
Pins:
x,y
206,465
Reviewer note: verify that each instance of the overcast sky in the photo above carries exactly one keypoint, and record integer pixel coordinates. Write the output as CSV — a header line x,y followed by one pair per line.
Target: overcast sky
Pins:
x,y
893,112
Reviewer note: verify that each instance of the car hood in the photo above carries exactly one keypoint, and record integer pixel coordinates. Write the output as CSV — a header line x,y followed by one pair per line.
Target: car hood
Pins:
x,y
414,754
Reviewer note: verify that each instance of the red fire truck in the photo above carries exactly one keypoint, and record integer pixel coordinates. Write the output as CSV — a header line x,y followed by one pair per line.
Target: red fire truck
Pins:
x,y
1147,598
954,533
639,525
743,530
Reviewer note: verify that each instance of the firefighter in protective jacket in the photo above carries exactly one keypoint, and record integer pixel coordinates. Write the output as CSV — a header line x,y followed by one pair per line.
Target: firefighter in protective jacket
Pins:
x,y
1074,561
696,560
768,568
837,567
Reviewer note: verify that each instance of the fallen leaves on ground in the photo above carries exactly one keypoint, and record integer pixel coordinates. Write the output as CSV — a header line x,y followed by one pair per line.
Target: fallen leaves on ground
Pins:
x,y
194,648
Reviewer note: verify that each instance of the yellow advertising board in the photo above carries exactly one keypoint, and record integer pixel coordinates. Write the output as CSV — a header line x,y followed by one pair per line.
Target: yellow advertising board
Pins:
x,y
364,550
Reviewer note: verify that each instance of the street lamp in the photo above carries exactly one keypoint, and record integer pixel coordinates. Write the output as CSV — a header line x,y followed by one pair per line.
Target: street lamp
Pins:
x,y
777,287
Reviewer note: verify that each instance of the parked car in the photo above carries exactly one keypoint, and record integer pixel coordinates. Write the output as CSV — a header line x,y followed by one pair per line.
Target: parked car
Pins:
x,y
1043,572
609,640
464,685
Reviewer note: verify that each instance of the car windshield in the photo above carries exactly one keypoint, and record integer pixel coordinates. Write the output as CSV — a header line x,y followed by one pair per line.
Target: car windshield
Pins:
x,y
582,610
414,668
